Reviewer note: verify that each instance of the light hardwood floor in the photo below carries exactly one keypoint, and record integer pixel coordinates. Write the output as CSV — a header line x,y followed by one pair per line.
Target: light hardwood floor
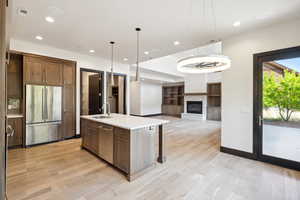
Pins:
x,y
195,170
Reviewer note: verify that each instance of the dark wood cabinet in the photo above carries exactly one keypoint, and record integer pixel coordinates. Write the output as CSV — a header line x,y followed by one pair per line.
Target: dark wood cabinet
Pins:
x,y
69,104
50,71
33,70
17,138
53,72
44,71
90,136
122,149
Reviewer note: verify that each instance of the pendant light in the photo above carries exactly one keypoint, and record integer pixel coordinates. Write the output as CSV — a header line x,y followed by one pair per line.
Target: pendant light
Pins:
x,y
206,63
112,82
137,75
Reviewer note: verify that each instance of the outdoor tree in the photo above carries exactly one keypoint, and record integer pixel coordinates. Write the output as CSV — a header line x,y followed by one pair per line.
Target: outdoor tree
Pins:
x,y
282,92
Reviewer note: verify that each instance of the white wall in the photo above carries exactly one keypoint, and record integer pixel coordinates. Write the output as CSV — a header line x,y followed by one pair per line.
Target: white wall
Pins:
x,y
151,98
135,98
155,75
83,61
146,98
237,87
165,64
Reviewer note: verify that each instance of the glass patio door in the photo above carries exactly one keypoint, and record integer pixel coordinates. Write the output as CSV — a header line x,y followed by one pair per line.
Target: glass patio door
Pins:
x,y
277,107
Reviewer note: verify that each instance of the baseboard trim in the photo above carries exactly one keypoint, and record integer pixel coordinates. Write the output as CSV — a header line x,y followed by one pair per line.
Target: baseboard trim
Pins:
x,y
239,153
76,136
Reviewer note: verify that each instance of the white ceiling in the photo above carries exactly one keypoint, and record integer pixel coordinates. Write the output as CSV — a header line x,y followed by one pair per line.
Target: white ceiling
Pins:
x,y
81,25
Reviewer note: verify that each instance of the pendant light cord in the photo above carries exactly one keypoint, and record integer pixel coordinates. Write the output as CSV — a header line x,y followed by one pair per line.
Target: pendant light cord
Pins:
x,y
112,63
138,48
112,55
137,54
214,19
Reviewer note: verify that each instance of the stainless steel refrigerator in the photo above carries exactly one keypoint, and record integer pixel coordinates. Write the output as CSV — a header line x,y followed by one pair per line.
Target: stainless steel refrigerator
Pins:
x,y
43,114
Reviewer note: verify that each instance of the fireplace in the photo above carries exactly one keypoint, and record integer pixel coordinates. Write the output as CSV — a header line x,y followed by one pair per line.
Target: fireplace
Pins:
x,y
194,107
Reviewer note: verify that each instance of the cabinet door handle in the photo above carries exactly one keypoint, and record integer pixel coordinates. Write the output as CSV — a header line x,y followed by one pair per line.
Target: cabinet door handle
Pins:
x,y
107,129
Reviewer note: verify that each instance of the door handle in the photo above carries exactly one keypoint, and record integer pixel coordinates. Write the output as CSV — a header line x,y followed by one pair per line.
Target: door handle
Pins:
x,y
10,131
260,120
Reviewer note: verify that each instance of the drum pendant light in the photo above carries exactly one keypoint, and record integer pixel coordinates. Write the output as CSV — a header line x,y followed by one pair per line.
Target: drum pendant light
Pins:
x,y
112,64
137,75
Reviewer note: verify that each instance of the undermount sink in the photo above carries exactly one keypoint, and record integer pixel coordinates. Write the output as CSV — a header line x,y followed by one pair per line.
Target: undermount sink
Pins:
x,y
102,117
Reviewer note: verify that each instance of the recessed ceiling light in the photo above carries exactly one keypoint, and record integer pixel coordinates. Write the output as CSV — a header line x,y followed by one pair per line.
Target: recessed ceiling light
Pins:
x,y
38,37
92,51
176,43
237,23
22,11
49,19
146,52
125,59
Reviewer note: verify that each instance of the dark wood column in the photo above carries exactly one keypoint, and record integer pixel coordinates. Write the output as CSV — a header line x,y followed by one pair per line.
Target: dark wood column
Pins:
x,y
161,153
3,49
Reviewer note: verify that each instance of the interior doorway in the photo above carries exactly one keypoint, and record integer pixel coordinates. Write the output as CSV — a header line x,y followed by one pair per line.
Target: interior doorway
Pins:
x,y
277,107
91,90
116,93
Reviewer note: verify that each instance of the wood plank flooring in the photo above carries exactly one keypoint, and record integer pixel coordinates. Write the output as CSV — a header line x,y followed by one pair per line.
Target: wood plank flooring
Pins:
x,y
195,170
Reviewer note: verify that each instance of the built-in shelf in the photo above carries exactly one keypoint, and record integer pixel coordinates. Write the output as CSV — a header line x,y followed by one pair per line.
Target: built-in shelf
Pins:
x,y
214,101
173,99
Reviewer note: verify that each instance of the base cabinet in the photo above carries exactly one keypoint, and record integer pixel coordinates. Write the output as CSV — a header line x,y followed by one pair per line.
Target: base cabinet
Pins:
x,y
122,150
17,138
90,136
106,143
131,151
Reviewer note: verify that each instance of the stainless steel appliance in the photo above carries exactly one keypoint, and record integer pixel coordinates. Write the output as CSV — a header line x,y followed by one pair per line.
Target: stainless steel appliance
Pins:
x,y
43,114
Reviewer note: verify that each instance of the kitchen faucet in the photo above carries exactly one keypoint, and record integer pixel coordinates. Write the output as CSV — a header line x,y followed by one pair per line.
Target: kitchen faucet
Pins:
x,y
107,108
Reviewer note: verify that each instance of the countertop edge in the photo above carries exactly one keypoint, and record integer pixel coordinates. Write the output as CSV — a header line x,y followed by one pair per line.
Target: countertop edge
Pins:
x,y
14,116
126,127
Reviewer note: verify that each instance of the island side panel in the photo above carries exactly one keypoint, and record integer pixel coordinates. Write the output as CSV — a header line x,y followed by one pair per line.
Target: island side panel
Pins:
x,y
142,148
162,139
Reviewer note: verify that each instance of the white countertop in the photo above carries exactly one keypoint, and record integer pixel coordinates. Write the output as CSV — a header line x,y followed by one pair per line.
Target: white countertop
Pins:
x,y
14,116
127,121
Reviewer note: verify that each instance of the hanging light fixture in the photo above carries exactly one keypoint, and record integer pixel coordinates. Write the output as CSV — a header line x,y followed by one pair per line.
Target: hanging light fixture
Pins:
x,y
137,75
203,64
207,63
112,64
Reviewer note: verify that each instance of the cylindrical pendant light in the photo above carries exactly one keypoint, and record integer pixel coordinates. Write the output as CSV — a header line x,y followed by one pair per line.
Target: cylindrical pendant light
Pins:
x,y
137,76
112,64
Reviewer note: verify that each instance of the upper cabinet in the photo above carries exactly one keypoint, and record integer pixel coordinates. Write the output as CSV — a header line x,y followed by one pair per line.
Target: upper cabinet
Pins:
x,y
33,70
44,71
69,74
53,73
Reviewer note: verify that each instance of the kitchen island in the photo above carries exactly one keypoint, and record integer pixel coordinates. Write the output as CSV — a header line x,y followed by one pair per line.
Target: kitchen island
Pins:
x,y
126,142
